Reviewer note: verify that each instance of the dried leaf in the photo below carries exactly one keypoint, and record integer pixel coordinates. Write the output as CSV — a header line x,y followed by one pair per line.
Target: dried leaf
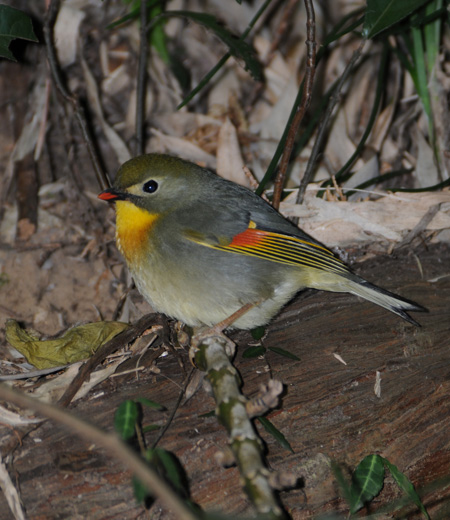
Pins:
x,y
116,142
76,344
388,218
229,159
182,148
16,419
67,28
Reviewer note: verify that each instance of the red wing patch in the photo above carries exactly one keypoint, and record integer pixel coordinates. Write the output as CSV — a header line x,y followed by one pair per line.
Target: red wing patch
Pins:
x,y
284,249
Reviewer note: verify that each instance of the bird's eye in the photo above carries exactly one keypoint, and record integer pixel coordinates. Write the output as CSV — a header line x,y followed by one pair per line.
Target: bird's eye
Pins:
x,y
150,186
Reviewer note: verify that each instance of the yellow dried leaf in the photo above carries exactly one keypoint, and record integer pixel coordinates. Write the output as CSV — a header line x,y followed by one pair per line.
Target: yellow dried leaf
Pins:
x,y
74,345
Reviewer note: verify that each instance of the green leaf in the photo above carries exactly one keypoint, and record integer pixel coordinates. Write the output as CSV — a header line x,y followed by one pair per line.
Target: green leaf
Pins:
x,y
276,434
406,485
257,333
253,352
382,14
151,404
168,467
158,36
151,428
367,481
237,47
341,480
209,75
13,24
140,490
4,279
4,48
125,419
133,14
284,353
212,413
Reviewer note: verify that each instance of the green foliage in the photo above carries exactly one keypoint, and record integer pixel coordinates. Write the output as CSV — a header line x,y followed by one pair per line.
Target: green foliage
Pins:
x,y
14,24
126,418
4,279
276,434
285,353
382,18
127,423
367,482
406,486
254,351
383,14
236,46
258,333
151,404
421,38
158,36
168,468
207,78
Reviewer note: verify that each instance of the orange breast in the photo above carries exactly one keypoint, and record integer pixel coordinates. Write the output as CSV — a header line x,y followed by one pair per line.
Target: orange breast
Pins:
x,y
133,226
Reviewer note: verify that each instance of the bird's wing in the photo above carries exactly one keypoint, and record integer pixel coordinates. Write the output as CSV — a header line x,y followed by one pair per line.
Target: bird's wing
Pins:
x,y
280,247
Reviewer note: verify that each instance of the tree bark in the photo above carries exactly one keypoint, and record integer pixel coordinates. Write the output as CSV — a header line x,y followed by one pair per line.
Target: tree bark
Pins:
x,y
329,410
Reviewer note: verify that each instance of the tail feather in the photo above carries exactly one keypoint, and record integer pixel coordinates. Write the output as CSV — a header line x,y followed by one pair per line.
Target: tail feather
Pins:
x,y
386,299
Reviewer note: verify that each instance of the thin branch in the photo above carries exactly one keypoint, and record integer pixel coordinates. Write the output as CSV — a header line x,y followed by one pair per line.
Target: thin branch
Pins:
x,y
111,443
306,99
52,58
141,82
174,410
324,123
105,350
212,354
280,31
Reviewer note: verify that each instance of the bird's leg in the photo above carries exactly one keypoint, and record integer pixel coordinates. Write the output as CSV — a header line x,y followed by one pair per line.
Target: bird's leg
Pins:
x,y
217,332
227,322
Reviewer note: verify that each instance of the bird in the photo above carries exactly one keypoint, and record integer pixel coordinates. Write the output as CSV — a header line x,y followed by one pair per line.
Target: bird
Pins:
x,y
200,247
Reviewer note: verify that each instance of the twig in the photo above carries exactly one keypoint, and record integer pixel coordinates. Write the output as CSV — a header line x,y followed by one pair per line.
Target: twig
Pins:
x,y
420,227
174,411
52,58
324,123
212,354
306,99
141,82
31,373
280,32
110,442
105,350
27,198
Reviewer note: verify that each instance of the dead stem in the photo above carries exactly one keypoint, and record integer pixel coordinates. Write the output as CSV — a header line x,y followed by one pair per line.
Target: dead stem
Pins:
x,y
306,99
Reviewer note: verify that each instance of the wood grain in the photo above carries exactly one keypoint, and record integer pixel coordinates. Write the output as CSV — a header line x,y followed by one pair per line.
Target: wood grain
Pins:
x,y
329,410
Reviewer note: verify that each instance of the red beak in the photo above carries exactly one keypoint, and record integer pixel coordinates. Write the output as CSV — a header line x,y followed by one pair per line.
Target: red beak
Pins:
x,y
111,195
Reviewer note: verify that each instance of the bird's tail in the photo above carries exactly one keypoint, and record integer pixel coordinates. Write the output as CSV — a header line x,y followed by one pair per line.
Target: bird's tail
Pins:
x,y
385,299
351,283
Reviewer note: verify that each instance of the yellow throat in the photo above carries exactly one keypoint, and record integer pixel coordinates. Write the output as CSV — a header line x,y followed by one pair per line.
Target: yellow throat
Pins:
x,y
133,226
